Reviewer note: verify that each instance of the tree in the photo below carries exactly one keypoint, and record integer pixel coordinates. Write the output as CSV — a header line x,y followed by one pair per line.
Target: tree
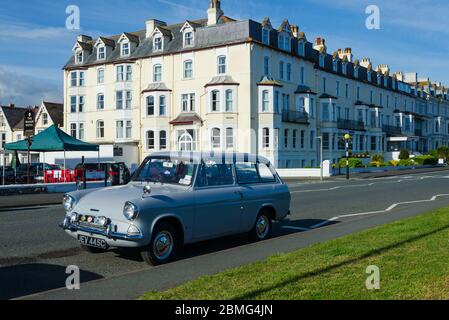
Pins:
x,y
404,154
443,153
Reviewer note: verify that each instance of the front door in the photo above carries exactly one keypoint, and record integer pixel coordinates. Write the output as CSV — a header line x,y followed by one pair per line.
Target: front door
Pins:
x,y
218,202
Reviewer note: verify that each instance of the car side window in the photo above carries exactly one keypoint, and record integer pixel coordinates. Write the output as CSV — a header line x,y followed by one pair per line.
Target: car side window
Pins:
x,y
265,173
212,175
246,173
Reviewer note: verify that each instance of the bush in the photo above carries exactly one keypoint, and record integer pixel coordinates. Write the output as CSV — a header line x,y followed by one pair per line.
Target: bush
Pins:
x,y
406,163
426,160
377,164
353,163
393,163
404,154
443,153
377,158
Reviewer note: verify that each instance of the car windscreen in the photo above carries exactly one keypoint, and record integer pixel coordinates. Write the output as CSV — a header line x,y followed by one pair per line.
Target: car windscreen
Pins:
x,y
166,170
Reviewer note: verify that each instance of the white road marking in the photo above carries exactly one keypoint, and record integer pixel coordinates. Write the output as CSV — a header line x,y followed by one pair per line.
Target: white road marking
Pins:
x,y
389,209
371,184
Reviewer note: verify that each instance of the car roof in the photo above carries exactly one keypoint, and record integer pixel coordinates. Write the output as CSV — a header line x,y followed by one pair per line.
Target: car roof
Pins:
x,y
225,157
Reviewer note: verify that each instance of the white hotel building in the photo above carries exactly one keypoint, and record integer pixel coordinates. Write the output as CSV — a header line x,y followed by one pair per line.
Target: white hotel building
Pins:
x,y
222,84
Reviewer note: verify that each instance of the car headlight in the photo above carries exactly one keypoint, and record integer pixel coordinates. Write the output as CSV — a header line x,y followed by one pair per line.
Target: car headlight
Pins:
x,y
130,211
73,217
68,202
103,221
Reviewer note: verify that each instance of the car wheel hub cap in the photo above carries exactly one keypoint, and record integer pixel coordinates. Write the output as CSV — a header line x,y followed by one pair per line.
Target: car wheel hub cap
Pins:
x,y
163,245
262,227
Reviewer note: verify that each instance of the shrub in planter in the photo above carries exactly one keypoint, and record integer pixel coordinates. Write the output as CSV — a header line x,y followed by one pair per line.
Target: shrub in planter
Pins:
x,y
406,163
404,154
426,160
377,158
393,163
353,163
377,164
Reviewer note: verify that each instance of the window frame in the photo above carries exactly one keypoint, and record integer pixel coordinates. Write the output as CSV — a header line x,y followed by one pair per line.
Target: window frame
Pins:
x,y
222,65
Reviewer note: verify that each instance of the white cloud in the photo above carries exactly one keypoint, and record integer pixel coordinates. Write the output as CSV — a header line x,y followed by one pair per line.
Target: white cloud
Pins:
x,y
24,90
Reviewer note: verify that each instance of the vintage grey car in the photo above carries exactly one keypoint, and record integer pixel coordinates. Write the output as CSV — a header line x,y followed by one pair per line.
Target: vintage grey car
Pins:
x,y
175,199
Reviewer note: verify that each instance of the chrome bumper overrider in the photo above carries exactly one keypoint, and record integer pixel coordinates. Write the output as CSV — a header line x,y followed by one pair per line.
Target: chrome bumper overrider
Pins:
x,y
108,232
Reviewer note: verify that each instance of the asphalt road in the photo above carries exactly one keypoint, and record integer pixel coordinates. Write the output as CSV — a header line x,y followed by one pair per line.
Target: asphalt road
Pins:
x,y
34,252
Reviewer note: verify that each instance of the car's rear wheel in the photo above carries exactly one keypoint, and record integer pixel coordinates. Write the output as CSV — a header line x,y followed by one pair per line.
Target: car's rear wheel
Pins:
x,y
163,246
262,228
93,250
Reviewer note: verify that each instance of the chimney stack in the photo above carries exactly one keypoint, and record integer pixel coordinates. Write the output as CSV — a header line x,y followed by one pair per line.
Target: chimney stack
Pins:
x,y
12,105
366,62
84,38
153,24
214,13
320,43
295,30
383,69
346,53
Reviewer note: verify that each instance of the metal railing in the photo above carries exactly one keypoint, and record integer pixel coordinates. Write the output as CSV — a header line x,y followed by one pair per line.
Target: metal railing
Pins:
x,y
345,124
295,116
391,130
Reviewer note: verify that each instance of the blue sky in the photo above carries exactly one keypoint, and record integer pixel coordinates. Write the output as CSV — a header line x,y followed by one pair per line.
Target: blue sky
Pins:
x,y
34,44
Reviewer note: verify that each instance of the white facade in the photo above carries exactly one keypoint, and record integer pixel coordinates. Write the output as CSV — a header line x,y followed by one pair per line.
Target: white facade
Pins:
x,y
221,84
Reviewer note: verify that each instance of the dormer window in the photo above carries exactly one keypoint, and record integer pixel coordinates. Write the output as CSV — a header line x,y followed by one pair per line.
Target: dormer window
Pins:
x,y
386,82
301,48
335,65
321,62
125,49
101,53
345,68
369,76
157,44
379,80
356,72
266,36
79,56
188,39
284,42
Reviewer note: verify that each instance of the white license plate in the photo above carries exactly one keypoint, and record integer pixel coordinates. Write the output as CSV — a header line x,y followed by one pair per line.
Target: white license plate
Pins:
x,y
92,242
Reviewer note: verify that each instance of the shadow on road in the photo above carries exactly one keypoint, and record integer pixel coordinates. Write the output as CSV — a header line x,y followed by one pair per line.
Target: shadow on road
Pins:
x,y
26,279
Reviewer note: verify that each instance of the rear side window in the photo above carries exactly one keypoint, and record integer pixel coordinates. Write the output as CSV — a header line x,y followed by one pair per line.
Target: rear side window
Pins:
x,y
212,175
246,173
265,173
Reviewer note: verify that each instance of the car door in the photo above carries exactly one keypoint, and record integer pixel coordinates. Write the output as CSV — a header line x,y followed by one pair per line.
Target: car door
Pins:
x,y
257,191
218,202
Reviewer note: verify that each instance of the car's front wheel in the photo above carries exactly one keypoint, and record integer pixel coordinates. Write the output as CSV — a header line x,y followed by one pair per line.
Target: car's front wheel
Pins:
x,y
163,246
262,228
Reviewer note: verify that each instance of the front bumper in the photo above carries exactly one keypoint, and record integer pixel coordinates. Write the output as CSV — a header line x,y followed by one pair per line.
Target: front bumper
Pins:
x,y
112,237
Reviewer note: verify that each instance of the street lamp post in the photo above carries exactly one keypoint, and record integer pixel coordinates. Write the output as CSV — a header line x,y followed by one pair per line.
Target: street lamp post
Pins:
x,y
347,140
320,138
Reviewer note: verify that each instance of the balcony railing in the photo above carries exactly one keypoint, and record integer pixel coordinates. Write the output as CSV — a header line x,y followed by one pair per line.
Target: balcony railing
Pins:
x,y
392,130
350,125
295,116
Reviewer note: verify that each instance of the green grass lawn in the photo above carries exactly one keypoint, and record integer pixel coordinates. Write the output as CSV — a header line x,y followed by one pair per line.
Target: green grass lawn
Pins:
x,y
412,255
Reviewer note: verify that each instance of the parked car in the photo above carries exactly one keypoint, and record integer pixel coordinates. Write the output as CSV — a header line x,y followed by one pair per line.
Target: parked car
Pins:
x,y
176,200
118,172
9,175
36,172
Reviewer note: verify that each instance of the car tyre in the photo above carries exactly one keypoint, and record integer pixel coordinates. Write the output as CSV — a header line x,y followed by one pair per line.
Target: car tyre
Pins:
x,y
93,250
262,227
163,246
